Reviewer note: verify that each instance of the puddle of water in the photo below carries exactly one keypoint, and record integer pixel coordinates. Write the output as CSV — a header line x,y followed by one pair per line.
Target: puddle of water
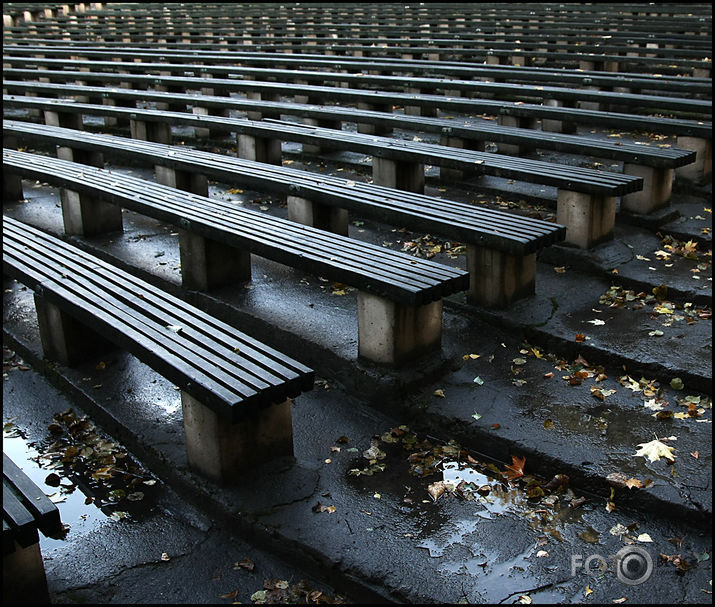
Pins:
x,y
81,517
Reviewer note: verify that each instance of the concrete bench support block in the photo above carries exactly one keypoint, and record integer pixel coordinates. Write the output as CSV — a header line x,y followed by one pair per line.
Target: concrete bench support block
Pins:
x,y
259,149
208,264
222,451
260,96
497,279
392,334
374,129
64,119
657,188
64,339
416,110
159,132
701,170
121,121
520,122
83,214
557,126
203,133
23,576
446,173
11,188
589,219
322,216
326,124
408,176
182,180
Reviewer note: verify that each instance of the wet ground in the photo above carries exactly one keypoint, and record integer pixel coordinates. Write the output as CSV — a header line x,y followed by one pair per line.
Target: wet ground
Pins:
x,y
378,504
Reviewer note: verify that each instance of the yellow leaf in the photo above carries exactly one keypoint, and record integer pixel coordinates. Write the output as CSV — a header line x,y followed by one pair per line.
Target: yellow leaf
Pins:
x,y
439,393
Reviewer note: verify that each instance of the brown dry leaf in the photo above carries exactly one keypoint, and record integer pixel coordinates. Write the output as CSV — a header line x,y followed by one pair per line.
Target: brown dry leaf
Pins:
x,y
516,468
245,563
229,595
436,490
580,337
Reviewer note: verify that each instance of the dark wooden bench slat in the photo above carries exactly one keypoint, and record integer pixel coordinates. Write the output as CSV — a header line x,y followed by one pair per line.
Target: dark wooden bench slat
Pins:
x,y
38,504
21,524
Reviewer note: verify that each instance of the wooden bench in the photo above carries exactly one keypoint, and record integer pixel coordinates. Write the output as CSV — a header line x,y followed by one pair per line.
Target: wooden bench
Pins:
x,y
235,391
25,511
501,248
399,296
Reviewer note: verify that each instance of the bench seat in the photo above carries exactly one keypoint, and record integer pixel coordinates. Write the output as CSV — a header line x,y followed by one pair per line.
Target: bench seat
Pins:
x,y
26,510
216,240
235,391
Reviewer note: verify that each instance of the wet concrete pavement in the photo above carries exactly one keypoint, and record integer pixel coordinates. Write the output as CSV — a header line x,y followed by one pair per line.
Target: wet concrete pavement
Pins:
x,y
527,390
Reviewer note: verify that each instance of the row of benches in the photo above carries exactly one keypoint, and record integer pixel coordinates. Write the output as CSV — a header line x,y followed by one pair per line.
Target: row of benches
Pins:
x,y
621,82
654,165
586,198
618,59
586,98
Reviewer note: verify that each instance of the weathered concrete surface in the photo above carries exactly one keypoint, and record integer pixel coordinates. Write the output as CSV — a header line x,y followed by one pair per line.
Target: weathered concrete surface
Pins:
x,y
374,545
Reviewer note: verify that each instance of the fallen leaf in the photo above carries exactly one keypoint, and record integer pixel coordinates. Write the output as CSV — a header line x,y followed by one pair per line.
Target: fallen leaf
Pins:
x,y
644,537
516,468
439,393
580,337
654,450
245,563
165,557
436,490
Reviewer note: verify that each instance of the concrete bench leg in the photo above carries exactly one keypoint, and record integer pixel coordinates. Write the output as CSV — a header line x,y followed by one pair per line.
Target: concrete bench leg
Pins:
x,y
408,176
657,188
222,451
208,133
182,180
321,216
519,122
208,264
589,219
64,119
374,129
497,279
557,126
446,173
121,121
417,110
159,132
392,333
23,576
260,96
83,214
259,149
64,339
701,170
11,188
326,124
